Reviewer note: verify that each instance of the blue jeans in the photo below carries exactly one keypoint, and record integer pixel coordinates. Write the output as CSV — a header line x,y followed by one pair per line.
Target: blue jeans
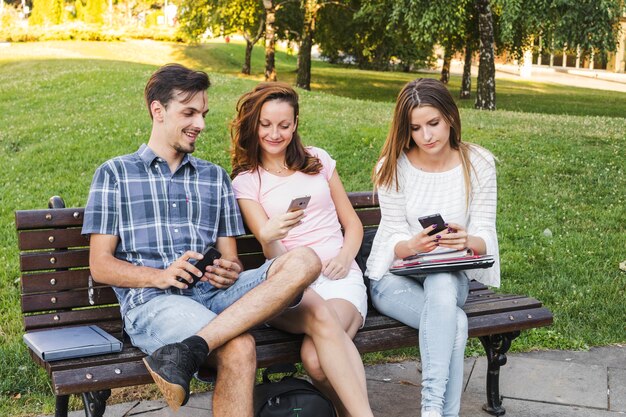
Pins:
x,y
432,304
170,318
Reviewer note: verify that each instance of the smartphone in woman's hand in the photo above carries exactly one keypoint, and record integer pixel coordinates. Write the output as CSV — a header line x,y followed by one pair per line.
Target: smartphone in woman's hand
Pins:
x,y
299,203
428,221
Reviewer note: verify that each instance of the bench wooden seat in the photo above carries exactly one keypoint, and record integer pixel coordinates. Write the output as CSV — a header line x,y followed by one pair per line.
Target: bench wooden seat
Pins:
x,y
57,291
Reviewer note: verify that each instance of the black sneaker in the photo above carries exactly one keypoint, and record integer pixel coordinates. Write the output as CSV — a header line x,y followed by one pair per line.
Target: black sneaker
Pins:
x,y
172,367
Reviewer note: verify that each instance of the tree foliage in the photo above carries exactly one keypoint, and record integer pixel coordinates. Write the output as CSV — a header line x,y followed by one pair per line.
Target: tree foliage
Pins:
x,y
366,33
94,11
221,17
224,17
46,12
590,24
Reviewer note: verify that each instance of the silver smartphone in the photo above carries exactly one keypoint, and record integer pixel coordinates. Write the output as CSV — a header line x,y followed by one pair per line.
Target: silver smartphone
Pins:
x,y
299,203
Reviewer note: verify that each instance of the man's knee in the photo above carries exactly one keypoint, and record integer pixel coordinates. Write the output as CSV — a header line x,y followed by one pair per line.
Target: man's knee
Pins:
x,y
303,263
307,259
238,355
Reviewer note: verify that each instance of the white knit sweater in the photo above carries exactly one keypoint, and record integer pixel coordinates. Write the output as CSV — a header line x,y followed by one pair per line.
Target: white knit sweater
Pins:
x,y
422,193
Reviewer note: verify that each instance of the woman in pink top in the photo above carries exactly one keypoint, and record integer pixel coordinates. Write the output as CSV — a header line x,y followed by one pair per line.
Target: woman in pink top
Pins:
x,y
270,168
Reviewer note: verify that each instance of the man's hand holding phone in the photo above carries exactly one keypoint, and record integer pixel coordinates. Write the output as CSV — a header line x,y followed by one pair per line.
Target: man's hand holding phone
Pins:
x,y
223,273
209,267
181,272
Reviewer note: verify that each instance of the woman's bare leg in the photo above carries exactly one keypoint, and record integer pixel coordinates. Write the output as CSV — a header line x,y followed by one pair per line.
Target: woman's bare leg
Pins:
x,y
336,354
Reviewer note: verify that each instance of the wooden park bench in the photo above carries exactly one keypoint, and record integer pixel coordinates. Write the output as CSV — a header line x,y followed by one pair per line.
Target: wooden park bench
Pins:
x,y
57,291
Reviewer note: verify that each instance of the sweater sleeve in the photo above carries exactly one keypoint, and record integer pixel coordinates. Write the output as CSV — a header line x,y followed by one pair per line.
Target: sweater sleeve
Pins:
x,y
482,214
393,228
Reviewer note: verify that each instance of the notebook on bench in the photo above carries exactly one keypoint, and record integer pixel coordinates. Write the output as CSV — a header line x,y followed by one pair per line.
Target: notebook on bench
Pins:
x,y
71,342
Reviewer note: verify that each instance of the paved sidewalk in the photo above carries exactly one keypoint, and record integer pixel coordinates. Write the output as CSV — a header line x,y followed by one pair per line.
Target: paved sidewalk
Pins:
x,y
575,77
535,384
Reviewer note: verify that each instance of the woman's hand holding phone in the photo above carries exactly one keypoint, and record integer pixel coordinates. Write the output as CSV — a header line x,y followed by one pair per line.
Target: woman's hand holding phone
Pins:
x,y
454,237
278,227
423,242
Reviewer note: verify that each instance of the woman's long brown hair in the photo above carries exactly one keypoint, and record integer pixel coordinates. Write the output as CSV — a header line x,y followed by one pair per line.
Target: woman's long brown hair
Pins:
x,y
419,93
246,152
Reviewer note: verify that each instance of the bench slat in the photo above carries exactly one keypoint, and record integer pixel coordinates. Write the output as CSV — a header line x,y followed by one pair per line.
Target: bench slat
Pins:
x,y
67,299
363,199
36,261
509,321
116,375
252,260
66,318
49,218
51,239
55,281
369,217
248,244
479,309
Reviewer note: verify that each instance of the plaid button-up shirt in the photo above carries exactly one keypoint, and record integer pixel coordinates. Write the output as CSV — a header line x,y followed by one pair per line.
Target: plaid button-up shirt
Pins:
x,y
158,215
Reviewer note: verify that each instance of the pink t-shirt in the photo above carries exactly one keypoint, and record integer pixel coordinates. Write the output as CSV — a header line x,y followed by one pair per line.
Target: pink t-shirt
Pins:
x,y
320,230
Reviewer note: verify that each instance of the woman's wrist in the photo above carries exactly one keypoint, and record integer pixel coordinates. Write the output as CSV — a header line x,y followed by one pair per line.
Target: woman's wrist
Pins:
x,y
266,237
412,247
476,244
405,248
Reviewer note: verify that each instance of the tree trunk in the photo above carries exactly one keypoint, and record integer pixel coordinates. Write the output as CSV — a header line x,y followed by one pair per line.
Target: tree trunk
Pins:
x,y
303,78
466,82
250,42
445,68
248,58
486,84
270,40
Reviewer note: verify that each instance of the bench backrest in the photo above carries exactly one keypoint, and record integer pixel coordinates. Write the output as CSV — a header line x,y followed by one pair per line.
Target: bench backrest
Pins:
x,y
56,287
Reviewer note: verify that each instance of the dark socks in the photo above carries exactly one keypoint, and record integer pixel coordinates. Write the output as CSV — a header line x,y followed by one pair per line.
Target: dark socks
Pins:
x,y
198,347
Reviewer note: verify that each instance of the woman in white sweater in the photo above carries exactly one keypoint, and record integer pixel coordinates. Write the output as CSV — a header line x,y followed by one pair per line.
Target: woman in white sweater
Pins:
x,y
425,168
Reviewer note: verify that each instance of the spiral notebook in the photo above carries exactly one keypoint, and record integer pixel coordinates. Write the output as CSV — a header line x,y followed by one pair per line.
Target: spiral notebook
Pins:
x,y
413,267
71,342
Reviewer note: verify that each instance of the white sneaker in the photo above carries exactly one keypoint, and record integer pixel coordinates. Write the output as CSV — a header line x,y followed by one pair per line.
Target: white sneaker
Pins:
x,y
431,413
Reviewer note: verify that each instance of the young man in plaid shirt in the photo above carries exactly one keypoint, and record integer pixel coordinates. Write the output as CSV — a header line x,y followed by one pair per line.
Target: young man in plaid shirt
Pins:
x,y
151,212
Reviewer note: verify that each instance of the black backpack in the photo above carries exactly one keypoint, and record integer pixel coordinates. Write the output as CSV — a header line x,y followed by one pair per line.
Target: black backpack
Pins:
x,y
290,396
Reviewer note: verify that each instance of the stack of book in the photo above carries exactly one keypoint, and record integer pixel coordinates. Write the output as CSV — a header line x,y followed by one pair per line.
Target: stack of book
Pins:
x,y
441,261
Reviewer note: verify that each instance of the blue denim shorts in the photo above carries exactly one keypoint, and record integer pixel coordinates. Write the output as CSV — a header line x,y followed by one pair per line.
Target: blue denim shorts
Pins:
x,y
170,318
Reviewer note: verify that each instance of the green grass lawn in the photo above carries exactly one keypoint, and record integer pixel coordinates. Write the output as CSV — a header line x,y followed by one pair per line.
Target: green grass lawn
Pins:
x,y
67,107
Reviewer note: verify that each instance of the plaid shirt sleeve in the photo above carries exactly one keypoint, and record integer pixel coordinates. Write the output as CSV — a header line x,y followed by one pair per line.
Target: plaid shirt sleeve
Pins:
x,y
230,223
101,212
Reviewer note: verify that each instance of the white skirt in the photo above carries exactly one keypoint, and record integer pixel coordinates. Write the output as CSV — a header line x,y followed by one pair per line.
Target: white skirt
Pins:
x,y
350,288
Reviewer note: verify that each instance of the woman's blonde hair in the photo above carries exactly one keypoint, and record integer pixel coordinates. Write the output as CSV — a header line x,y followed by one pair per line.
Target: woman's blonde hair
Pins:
x,y
246,152
419,93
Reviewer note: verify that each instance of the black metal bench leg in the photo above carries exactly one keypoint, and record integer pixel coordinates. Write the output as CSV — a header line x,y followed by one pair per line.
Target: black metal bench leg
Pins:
x,y
496,347
61,405
95,402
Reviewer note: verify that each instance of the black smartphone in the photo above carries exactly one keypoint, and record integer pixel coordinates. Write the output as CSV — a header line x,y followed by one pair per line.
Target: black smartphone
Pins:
x,y
299,203
209,256
428,221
